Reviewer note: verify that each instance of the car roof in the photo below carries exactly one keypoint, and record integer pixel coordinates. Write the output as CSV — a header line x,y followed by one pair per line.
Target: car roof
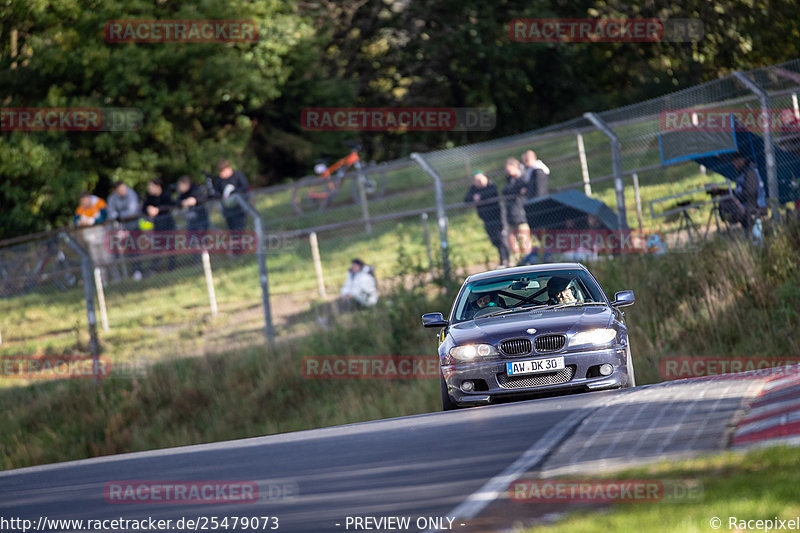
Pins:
x,y
528,269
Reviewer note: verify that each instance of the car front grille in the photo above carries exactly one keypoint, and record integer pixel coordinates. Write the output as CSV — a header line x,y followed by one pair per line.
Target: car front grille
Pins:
x,y
536,380
516,346
549,343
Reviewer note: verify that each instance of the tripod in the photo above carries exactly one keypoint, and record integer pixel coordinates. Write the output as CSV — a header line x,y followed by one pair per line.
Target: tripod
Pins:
x,y
718,219
686,222
717,195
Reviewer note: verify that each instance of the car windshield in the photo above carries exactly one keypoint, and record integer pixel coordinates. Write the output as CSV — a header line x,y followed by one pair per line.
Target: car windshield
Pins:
x,y
526,291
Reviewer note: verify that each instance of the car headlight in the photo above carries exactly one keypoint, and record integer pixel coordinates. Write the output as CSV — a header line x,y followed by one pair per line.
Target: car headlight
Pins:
x,y
468,352
597,337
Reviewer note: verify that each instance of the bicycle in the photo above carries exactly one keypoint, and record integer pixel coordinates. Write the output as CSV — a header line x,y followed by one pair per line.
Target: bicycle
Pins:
x,y
51,266
319,192
54,266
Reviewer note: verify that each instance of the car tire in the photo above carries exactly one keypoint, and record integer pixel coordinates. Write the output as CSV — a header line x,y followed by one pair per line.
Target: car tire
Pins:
x,y
447,402
629,366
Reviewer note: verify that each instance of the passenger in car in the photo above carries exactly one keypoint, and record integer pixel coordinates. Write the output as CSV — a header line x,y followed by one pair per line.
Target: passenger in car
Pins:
x,y
559,292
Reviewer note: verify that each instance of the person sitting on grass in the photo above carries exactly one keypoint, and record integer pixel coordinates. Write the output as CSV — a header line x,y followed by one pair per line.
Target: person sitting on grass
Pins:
x,y
359,288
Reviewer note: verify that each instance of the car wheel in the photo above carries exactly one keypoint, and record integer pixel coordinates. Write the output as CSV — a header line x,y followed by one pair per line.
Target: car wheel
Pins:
x,y
629,366
447,402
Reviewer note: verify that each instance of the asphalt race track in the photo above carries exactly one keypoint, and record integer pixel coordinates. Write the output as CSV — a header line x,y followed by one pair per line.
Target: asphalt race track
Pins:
x,y
442,465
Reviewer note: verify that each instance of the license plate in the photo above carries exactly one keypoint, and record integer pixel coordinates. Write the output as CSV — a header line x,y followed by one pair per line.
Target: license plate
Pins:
x,y
549,364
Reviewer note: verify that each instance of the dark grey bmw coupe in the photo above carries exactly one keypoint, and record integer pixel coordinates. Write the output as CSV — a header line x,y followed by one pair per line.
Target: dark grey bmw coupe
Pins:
x,y
532,330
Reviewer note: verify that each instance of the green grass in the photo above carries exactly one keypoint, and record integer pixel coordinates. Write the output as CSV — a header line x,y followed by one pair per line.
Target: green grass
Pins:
x,y
176,306
759,484
729,299
175,309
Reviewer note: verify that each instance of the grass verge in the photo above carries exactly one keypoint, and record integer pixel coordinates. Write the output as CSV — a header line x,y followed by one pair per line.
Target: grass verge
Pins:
x,y
728,299
758,485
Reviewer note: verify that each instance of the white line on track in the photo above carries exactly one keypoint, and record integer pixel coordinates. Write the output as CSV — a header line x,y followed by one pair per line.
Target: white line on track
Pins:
x,y
499,484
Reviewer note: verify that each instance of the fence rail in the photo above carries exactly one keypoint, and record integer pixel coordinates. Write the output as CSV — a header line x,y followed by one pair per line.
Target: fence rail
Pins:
x,y
195,302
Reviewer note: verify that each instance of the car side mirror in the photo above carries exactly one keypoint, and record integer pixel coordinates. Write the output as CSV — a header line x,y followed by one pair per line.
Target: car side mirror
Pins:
x,y
623,298
434,320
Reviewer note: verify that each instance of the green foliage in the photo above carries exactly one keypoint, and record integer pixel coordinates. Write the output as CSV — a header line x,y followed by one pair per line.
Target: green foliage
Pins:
x,y
196,99
728,300
243,101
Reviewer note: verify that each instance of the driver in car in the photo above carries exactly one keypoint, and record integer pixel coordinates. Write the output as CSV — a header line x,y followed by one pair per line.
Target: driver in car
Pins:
x,y
559,292
485,302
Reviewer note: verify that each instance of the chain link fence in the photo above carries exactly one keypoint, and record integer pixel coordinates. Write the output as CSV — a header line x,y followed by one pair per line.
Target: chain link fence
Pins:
x,y
622,170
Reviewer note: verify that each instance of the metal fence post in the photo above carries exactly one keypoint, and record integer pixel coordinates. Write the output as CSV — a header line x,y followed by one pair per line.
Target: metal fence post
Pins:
x,y
87,271
362,197
769,149
616,165
638,200
427,236
587,184
441,214
261,255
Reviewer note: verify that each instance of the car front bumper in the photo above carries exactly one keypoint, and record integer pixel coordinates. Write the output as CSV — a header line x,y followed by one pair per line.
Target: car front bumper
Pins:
x,y
579,376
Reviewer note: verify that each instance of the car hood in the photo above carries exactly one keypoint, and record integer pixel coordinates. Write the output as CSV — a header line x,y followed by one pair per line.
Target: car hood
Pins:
x,y
570,319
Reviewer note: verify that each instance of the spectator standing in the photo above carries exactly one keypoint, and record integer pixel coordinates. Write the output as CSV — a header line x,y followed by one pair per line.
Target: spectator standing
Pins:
x,y
516,192
226,184
481,193
191,198
360,286
123,208
90,214
157,206
91,210
535,175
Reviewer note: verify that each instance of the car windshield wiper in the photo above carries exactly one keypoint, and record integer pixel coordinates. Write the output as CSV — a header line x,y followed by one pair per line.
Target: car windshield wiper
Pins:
x,y
573,304
512,310
540,307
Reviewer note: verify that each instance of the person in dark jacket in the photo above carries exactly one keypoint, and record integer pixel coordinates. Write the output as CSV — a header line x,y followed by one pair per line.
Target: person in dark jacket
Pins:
x,y
157,208
191,198
535,174
157,205
481,193
226,183
516,192
749,198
